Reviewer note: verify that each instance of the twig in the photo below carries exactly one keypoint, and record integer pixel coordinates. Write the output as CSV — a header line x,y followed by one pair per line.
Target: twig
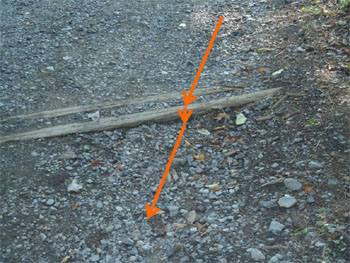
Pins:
x,y
276,246
279,101
288,94
278,180
264,118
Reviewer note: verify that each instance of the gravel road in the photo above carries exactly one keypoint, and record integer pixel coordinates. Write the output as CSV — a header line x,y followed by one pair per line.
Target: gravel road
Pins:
x,y
235,193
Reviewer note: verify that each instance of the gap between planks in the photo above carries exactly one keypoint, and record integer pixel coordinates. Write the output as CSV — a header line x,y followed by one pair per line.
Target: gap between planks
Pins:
x,y
135,119
119,103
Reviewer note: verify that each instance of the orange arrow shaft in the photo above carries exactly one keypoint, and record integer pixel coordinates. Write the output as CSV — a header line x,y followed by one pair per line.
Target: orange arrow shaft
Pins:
x,y
168,166
205,56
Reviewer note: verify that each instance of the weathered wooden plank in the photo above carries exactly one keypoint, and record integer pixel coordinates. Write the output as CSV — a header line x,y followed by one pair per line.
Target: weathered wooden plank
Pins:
x,y
119,103
135,119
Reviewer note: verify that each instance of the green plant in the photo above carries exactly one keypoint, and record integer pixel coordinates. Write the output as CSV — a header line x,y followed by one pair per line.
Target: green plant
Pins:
x,y
344,5
313,123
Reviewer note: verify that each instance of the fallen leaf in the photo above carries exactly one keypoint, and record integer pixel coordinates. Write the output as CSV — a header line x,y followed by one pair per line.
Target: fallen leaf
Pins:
x,y
220,128
200,157
191,217
188,143
213,187
277,72
118,166
173,175
308,188
94,116
262,50
74,207
96,163
222,115
203,131
160,212
66,258
74,186
240,119
179,225
199,226
261,69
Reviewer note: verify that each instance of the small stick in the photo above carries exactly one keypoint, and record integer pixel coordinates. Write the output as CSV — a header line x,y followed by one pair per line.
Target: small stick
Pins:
x,y
278,180
264,118
279,101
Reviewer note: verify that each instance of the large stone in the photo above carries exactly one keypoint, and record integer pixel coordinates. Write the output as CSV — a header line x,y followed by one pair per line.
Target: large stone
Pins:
x,y
287,201
315,165
292,184
276,226
256,254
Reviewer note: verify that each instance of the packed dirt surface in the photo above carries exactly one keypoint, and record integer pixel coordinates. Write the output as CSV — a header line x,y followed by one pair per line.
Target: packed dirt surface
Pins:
x,y
273,188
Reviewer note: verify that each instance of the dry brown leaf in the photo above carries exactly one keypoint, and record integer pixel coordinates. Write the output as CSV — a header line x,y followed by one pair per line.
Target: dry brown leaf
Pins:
x,y
200,157
261,69
96,163
308,188
222,115
188,143
220,128
74,207
66,258
180,225
199,226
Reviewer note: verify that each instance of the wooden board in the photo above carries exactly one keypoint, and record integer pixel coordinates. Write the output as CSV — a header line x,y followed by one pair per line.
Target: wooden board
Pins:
x,y
135,119
119,103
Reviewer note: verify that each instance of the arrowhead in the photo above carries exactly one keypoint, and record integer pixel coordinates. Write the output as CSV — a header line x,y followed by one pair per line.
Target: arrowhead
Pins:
x,y
185,115
150,211
188,99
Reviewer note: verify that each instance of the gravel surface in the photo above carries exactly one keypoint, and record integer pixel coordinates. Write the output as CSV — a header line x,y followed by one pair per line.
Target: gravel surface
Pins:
x,y
268,191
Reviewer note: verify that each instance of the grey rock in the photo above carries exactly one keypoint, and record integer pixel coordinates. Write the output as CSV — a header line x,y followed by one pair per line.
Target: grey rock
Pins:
x,y
310,199
34,154
191,217
268,204
132,259
147,247
173,210
69,155
179,162
50,202
315,165
320,244
292,184
276,226
94,258
256,254
287,201
333,181
274,259
128,242
274,165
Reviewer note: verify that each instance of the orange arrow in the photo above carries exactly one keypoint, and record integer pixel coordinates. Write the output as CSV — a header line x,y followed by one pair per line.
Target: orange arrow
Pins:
x,y
151,211
188,98
185,115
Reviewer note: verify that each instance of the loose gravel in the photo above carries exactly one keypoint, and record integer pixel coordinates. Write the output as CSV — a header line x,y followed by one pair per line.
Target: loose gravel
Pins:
x,y
235,193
